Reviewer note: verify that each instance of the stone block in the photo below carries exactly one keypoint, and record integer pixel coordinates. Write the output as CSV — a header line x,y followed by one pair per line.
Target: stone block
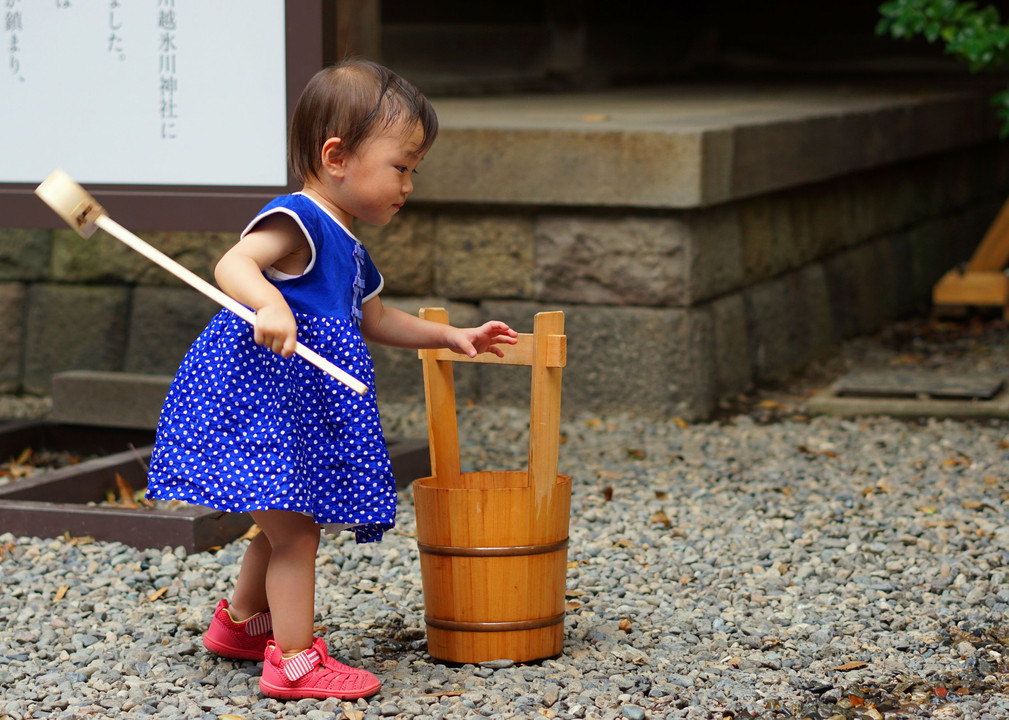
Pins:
x,y
73,328
865,302
403,251
24,254
648,361
891,256
399,376
164,322
816,314
775,330
788,323
716,262
109,399
484,255
731,349
103,259
767,237
13,303
612,260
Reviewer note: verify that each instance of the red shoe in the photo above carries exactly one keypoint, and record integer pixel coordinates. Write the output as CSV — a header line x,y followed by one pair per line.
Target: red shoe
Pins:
x,y
313,673
244,640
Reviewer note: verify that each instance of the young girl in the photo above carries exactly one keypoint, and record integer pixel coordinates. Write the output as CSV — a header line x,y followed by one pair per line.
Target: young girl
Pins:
x,y
245,429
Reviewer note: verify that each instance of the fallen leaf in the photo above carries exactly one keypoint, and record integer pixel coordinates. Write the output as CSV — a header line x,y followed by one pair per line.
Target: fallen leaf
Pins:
x,y
636,453
660,518
157,594
60,593
230,716
80,540
972,505
571,605
928,509
856,700
6,548
126,493
573,564
733,662
849,666
625,625
608,493
319,629
940,691
873,713
770,405
661,495
251,532
681,423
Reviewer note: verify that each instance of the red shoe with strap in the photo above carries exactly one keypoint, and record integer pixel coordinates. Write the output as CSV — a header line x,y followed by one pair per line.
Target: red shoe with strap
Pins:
x,y
313,673
245,640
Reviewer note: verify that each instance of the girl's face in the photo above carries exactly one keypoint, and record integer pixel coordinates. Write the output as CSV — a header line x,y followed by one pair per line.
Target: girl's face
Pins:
x,y
378,178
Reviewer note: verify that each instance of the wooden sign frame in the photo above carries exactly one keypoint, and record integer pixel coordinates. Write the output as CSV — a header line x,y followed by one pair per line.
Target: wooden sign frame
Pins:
x,y
309,25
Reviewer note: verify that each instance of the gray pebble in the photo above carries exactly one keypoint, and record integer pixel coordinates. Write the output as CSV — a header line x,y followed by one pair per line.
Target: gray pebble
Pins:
x,y
735,563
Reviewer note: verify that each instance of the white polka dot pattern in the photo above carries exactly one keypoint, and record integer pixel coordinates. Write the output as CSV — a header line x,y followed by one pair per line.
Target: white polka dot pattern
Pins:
x,y
245,429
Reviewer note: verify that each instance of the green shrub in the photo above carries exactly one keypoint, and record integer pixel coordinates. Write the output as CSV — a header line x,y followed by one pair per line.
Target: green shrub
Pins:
x,y
973,35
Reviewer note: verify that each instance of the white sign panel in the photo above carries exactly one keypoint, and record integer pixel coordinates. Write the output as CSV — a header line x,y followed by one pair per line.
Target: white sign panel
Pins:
x,y
144,92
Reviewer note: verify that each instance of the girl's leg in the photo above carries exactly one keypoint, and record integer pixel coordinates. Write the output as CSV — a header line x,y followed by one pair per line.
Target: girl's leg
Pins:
x,y
249,597
290,576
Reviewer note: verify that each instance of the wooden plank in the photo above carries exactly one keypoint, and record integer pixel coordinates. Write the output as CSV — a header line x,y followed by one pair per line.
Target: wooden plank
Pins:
x,y
919,384
985,288
993,251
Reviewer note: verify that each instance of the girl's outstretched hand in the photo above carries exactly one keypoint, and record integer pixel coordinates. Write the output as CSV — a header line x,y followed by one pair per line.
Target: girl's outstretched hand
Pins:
x,y
486,338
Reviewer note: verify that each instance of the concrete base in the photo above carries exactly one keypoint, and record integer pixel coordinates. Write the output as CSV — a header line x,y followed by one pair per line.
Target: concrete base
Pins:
x,y
700,239
832,402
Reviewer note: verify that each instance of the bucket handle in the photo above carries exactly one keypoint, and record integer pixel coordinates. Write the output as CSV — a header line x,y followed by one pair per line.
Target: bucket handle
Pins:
x,y
545,351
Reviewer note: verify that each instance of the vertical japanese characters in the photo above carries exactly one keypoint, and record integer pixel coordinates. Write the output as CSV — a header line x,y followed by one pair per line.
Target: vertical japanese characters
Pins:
x,y
169,80
13,27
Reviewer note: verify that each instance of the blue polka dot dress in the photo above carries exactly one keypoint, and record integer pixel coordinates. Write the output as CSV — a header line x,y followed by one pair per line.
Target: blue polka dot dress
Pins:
x,y
245,429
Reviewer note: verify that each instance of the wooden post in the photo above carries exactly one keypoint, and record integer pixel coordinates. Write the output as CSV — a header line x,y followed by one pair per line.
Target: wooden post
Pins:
x,y
359,29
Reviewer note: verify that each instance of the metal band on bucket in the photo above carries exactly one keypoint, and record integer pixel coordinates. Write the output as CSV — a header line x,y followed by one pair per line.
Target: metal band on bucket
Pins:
x,y
457,551
460,626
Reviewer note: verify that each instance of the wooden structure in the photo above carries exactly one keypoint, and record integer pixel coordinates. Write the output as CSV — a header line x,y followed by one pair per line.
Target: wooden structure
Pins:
x,y
493,544
982,282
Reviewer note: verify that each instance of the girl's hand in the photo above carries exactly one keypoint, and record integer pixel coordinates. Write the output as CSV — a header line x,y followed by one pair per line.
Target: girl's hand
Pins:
x,y
277,329
473,341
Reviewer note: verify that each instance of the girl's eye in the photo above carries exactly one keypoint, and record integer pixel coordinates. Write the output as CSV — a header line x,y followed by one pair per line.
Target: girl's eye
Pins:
x,y
401,168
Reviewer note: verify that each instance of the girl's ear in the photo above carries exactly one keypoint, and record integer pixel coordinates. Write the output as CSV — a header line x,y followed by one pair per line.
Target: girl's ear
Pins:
x,y
333,158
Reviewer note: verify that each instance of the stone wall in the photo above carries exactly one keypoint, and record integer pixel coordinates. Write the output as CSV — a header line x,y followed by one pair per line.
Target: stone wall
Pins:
x,y
667,310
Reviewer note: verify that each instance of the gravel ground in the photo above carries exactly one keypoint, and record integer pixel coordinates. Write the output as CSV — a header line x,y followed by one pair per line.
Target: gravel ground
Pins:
x,y
763,564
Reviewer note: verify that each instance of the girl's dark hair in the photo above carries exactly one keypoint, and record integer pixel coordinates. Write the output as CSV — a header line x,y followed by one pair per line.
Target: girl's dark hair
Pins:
x,y
352,100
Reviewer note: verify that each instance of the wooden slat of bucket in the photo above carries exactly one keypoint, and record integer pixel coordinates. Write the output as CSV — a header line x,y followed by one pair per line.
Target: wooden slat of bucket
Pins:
x,y
544,411
485,607
442,426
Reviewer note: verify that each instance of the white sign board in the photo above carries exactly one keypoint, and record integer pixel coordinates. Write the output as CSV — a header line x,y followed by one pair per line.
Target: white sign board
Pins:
x,y
144,92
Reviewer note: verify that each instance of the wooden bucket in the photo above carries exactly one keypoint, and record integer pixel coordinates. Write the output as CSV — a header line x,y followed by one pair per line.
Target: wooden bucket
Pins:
x,y
493,544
